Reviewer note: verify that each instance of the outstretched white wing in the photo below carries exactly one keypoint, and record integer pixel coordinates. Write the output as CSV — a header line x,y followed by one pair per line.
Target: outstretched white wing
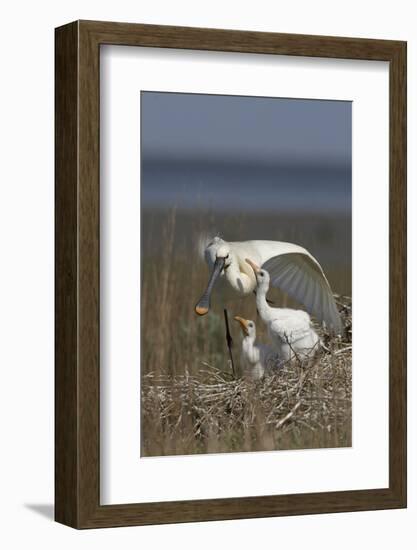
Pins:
x,y
302,278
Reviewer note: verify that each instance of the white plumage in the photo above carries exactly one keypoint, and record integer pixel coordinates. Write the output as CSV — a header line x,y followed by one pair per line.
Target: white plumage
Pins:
x,y
290,330
291,268
256,359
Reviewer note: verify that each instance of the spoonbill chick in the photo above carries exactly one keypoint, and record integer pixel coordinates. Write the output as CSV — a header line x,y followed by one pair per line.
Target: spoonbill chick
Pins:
x,y
290,330
257,359
292,269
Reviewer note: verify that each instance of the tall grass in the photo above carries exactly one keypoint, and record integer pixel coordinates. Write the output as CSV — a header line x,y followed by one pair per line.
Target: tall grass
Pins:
x,y
184,357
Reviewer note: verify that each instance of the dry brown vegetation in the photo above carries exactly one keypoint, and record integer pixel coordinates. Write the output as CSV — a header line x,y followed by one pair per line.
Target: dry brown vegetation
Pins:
x,y
190,401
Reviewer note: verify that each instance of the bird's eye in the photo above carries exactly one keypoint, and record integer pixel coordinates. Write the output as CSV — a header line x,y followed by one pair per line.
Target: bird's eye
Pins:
x,y
251,325
261,274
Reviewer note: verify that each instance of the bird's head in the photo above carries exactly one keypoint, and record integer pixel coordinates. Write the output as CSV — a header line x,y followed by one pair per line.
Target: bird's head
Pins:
x,y
262,275
218,255
247,326
223,253
218,249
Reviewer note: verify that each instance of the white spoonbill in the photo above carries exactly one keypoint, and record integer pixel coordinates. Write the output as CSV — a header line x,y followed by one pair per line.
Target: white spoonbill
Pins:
x,y
292,269
290,330
257,359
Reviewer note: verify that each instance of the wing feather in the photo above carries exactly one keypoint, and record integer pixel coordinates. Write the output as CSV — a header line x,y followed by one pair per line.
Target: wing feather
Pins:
x,y
290,277
297,282
302,278
316,304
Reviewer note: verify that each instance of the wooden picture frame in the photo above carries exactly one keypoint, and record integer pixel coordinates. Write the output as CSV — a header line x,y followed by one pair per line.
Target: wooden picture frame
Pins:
x,y
77,382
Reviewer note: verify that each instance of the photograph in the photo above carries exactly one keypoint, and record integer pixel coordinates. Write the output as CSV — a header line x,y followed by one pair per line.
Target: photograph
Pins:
x,y
246,310
208,262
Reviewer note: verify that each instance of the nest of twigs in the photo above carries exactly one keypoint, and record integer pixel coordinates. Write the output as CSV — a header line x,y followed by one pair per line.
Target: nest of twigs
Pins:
x,y
298,406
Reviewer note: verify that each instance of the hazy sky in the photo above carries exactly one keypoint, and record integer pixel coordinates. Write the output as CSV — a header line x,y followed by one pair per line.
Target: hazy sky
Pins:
x,y
222,149
238,127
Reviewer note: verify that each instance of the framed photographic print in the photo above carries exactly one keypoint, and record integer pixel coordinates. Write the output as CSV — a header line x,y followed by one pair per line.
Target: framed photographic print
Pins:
x,y
230,274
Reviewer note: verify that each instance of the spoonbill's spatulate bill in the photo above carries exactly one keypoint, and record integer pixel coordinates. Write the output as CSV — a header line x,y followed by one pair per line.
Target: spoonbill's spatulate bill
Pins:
x,y
291,268
203,305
